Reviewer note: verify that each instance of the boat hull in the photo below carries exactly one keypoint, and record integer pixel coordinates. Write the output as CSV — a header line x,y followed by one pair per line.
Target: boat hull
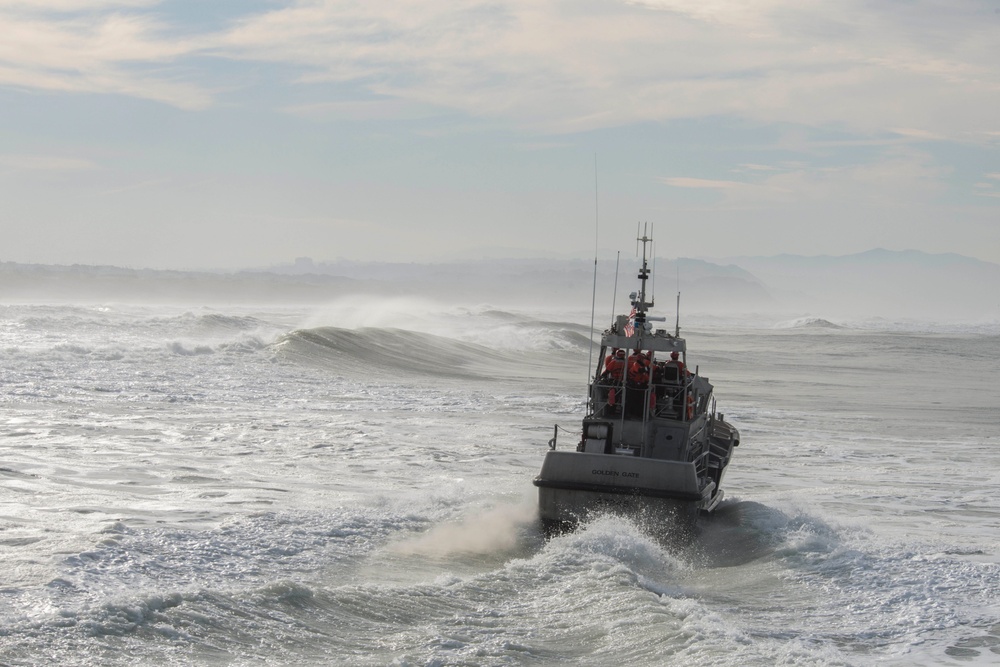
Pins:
x,y
574,485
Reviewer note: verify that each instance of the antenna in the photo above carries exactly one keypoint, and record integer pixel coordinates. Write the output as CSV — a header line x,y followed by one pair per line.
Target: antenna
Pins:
x,y
677,325
614,294
653,244
593,301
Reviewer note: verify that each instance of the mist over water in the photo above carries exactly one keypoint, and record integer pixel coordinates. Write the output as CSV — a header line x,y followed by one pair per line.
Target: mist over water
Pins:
x,y
349,482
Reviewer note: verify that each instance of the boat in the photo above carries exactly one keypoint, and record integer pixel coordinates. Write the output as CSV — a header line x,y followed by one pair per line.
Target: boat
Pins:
x,y
652,442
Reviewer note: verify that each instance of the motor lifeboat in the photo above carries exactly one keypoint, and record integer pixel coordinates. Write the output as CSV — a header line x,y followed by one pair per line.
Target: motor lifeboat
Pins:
x,y
652,441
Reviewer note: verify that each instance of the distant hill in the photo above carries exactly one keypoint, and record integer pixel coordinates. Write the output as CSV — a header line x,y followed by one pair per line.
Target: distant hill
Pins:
x,y
566,282
563,284
879,282
57,283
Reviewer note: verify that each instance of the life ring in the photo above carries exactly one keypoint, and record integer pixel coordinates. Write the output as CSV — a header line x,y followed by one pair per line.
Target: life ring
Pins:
x,y
690,409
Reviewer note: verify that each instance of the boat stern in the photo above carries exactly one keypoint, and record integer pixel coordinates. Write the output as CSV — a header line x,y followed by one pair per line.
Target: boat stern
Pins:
x,y
574,485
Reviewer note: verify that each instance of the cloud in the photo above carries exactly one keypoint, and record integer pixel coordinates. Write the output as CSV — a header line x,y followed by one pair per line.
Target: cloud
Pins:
x,y
732,12
374,109
567,66
37,6
701,183
52,163
758,167
555,67
905,175
90,50
986,188
916,134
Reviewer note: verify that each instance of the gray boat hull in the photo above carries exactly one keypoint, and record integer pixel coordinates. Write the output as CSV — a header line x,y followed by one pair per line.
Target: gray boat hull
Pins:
x,y
574,485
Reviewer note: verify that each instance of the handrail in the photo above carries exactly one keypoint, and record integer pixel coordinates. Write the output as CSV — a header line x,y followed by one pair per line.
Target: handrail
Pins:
x,y
702,468
676,393
555,436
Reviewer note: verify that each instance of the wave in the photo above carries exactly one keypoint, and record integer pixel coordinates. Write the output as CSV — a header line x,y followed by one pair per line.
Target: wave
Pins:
x,y
223,323
296,588
389,351
503,315
808,323
462,343
986,327
180,349
82,319
486,326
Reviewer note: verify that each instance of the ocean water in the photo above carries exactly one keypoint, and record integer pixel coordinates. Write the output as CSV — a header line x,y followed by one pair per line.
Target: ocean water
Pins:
x,y
351,485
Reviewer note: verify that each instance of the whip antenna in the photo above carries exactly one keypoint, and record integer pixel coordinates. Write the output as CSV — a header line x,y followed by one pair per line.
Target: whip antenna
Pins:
x,y
677,325
614,295
653,244
593,300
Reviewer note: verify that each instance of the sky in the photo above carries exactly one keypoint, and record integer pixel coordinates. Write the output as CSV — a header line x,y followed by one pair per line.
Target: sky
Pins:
x,y
227,134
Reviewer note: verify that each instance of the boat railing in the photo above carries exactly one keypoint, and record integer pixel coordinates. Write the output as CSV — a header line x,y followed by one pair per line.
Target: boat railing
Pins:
x,y
700,456
720,441
555,436
701,464
609,398
602,392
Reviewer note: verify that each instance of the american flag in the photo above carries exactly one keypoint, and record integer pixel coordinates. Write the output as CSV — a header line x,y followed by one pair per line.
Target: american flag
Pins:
x,y
630,327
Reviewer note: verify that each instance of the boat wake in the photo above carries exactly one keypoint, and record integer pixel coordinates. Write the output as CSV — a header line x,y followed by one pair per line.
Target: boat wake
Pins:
x,y
502,529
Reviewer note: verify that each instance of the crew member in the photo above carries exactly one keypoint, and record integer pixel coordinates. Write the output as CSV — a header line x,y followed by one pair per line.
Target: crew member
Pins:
x,y
614,365
638,368
676,361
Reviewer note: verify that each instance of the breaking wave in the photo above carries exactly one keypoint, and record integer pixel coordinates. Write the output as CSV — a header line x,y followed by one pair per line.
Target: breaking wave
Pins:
x,y
465,344
808,323
388,351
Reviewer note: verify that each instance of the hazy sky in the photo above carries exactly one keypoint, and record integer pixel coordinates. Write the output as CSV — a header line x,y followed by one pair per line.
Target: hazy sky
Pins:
x,y
234,133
